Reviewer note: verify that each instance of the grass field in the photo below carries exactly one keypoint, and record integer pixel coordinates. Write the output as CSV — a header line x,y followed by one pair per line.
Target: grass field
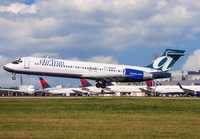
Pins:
x,y
100,118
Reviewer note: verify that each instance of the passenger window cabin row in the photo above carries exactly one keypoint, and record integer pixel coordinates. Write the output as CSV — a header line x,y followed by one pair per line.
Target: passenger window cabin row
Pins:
x,y
79,67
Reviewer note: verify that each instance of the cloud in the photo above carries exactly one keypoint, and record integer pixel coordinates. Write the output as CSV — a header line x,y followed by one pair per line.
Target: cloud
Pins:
x,y
3,60
19,8
103,59
93,25
98,59
193,62
94,28
50,55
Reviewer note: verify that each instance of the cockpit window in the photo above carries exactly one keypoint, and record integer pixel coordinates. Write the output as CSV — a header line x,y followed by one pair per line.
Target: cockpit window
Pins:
x,y
17,61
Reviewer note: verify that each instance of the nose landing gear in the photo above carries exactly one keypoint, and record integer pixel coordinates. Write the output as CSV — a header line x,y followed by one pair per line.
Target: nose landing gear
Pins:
x,y
14,74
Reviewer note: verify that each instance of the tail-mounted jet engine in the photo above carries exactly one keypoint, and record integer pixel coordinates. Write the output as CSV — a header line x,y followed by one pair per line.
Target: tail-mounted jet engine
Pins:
x,y
137,74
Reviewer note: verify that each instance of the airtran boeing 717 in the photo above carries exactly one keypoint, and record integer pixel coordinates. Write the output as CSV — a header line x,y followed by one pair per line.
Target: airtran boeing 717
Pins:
x,y
102,73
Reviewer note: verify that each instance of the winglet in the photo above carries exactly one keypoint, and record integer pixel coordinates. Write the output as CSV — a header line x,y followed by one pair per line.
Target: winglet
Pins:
x,y
179,85
44,83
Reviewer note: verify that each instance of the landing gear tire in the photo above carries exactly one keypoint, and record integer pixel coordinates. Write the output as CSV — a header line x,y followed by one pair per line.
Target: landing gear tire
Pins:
x,y
98,85
103,85
13,78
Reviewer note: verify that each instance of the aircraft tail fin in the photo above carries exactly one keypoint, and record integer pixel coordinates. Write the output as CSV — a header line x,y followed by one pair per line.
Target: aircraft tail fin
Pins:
x,y
151,83
110,84
44,83
21,79
166,60
85,83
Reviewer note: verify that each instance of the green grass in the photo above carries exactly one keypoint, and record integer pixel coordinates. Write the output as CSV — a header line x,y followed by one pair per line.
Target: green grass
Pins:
x,y
100,118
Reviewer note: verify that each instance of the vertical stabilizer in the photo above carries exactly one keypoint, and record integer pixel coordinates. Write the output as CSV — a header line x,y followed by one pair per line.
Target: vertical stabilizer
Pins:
x,y
44,83
21,79
166,60
85,83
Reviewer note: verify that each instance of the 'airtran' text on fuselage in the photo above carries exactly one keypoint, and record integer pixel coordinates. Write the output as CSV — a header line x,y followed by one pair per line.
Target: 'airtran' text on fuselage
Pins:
x,y
50,61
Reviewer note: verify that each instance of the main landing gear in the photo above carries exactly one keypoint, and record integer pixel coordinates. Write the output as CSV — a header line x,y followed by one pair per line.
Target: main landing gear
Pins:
x,y
102,85
14,74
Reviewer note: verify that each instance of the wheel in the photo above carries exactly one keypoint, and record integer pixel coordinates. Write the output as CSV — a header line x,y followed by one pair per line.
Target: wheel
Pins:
x,y
14,78
103,86
98,85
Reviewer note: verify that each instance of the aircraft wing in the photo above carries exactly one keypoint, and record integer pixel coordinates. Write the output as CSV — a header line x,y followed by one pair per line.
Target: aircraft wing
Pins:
x,y
88,90
107,78
107,88
147,90
143,89
13,90
77,91
188,91
85,89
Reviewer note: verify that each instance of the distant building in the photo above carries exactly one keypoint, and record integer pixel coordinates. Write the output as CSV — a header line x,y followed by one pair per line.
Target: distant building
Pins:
x,y
193,75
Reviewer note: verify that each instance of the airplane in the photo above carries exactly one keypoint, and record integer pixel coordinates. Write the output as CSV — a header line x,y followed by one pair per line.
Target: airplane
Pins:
x,y
193,90
25,89
87,86
111,87
186,90
46,88
102,73
124,88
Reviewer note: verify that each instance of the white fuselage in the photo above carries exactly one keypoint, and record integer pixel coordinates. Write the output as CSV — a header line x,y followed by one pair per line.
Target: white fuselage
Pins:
x,y
29,89
125,88
60,90
72,69
175,89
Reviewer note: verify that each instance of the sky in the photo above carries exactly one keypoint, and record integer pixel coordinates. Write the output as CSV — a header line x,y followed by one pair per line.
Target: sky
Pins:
x,y
110,31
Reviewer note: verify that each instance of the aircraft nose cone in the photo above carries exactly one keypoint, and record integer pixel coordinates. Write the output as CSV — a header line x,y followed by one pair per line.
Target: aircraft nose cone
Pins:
x,y
7,67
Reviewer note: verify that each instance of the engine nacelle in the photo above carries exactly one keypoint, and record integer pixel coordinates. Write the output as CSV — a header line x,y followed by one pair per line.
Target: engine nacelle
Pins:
x,y
137,74
197,93
42,94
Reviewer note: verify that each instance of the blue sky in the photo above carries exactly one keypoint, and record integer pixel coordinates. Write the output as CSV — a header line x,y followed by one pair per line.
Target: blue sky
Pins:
x,y
115,31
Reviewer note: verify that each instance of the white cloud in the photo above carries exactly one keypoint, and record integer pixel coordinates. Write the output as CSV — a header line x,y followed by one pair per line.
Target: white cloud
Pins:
x,y
161,4
103,59
193,62
110,25
50,55
98,59
19,8
3,60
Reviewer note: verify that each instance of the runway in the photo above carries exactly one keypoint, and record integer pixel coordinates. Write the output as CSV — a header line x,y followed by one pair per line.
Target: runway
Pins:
x,y
111,97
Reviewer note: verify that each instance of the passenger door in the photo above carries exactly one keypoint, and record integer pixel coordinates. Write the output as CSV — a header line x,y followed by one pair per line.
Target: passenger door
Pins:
x,y
26,63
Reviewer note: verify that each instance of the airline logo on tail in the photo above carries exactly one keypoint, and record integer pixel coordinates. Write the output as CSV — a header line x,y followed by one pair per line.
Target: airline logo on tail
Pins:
x,y
21,79
44,83
85,83
167,60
